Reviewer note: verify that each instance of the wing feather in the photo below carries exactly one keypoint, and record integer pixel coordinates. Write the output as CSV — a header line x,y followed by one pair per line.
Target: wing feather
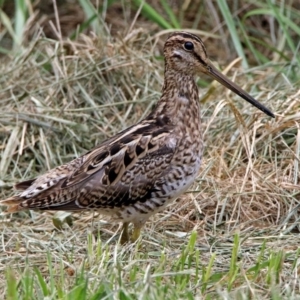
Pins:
x,y
119,171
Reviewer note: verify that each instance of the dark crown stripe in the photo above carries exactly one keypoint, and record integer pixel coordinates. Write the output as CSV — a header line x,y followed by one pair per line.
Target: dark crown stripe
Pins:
x,y
188,35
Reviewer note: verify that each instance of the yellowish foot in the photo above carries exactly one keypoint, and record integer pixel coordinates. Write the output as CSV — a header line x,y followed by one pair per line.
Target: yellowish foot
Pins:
x,y
125,235
136,234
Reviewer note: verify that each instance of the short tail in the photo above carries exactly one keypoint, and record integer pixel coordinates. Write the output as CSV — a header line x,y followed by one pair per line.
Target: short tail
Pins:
x,y
12,203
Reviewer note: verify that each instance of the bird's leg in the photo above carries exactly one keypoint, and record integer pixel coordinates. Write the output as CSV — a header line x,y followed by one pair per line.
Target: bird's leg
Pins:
x,y
136,232
125,234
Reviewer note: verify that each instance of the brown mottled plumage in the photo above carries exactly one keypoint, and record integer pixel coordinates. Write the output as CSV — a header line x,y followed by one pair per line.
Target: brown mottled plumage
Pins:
x,y
138,172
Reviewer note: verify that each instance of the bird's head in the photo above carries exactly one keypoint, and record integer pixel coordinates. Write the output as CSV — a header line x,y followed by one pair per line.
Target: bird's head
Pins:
x,y
185,53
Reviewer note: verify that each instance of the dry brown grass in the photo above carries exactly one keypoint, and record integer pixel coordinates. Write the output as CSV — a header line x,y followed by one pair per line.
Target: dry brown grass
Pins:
x,y
59,99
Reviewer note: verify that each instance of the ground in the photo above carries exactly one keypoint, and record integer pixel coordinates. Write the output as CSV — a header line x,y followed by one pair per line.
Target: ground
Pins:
x,y
235,234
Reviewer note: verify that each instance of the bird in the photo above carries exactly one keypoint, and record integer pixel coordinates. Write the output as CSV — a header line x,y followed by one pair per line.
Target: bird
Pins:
x,y
141,170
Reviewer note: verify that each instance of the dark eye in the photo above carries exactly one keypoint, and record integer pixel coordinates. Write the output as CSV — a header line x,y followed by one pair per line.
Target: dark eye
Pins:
x,y
188,46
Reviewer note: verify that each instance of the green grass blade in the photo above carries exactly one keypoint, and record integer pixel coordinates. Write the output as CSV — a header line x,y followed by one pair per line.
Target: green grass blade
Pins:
x,y
150,13
28,287
233,262
285,24
41,281
6,22
20,20
233,32
207,273
170,13
92,16
12,290
260,58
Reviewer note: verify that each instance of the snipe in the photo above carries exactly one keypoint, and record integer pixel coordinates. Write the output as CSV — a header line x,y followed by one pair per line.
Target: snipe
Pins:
x,y
138,172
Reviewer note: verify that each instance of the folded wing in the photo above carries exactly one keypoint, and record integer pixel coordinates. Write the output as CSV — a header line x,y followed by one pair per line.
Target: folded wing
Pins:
x,y
121,171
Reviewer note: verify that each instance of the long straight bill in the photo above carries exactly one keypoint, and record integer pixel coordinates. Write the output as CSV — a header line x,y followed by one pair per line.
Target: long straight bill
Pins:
x,y
213,72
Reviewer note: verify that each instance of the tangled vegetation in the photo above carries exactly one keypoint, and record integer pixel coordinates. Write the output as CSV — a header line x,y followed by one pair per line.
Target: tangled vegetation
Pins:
x,y
235,234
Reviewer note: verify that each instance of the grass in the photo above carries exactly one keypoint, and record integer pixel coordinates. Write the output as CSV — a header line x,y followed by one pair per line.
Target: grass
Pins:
x,y
86,268
235,235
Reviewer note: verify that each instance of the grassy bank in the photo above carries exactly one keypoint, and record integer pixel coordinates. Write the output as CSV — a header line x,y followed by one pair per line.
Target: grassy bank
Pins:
x,y
234,235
